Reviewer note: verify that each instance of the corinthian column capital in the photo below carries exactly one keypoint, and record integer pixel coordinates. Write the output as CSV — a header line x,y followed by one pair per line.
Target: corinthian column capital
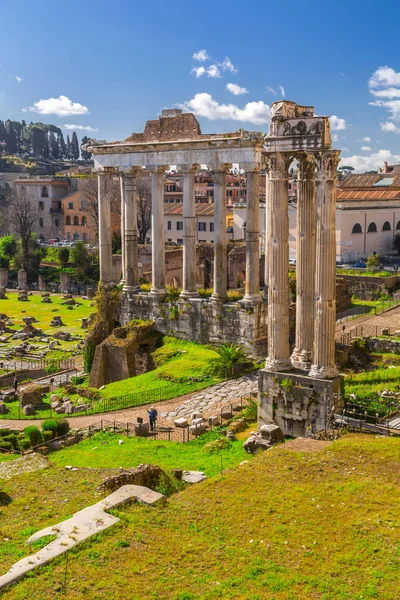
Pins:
x,y
189,168
222,168
306,166
277,165
327,163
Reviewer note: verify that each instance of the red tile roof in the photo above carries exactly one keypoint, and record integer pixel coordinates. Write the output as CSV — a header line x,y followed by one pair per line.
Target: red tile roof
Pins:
x,y
206,210
363,181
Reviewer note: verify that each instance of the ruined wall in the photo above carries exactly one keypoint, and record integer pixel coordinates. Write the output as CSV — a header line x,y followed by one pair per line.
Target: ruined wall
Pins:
x,y
370,288
299,404
203,321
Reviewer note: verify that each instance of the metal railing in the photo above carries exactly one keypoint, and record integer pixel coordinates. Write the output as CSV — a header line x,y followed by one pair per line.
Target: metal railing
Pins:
x,y
362,331
33,370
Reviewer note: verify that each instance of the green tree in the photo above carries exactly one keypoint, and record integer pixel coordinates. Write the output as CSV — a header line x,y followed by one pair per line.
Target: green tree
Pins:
x,y
61,146
63,256
54,147
232,360
74,147
39,141
373,262
68,149
84,153
8,246
24,212
80,256
11,137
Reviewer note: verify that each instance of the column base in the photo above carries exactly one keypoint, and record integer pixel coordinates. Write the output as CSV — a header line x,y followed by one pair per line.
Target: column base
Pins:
x,y
185,294
278,364
158,293
323,372
301,359
216,297
252,298
131,289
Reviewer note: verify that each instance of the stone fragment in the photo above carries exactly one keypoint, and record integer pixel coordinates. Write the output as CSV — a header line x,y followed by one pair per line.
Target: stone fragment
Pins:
x,y
193,476
272,432
181,422
29,410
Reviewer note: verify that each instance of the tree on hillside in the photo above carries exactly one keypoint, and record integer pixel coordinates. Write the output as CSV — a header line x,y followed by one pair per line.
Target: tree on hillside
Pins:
x,y
23,214
54,147
143,191
39,141
74,147
61,146
84,153
11,137
68,149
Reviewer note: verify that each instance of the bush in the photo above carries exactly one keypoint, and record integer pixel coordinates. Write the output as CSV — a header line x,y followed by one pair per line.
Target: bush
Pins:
x,y
47,436
33,434
216,445
11,438
49,426
5,445
63,256
231,362
24,443
62,427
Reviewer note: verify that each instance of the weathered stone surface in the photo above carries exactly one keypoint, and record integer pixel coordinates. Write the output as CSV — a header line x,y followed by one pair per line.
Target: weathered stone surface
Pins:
x,y
29,410
142,429
256,443
193,476
198,429
3,409
181,422
145,475
30,395
272,432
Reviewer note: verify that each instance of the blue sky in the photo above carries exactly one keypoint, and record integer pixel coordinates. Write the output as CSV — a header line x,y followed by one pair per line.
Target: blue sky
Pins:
x,y
117,64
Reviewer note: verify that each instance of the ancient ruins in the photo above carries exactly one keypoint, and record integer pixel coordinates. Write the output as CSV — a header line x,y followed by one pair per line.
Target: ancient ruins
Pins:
x,y
296,390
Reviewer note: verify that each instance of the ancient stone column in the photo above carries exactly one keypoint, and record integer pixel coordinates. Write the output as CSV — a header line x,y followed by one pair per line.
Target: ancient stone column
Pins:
x,y
220,238
323,362
105,253
252,286
305,263
123,250
267,230
189,289
131,233
278,256
41,283
157,231
4,277
22,279
65,281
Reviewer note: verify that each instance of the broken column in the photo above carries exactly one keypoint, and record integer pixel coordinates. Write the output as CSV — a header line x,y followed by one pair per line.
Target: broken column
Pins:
x,y
22,279
64,282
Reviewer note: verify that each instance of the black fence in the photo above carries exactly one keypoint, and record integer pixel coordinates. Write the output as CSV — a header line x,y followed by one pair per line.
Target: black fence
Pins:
x,y
34,369
363,331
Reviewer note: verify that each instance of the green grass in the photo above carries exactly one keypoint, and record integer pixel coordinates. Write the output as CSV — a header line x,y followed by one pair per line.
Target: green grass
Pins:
x,y
368,384
178,360
365,273
103,451
285,526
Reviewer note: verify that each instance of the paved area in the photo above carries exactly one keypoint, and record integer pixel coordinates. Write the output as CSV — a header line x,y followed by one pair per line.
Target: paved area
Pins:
x,y
388,319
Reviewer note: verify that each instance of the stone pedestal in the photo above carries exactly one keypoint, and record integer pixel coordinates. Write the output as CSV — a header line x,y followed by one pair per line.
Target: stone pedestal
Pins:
x,y
299,404
41,283
64,282
3,278
22,279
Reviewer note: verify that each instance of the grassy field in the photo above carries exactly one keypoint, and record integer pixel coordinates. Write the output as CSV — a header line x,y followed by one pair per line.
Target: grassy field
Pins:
x,y
284,526
103,451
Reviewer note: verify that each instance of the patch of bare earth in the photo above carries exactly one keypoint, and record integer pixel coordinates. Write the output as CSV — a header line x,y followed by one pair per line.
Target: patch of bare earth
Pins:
x,y
304,445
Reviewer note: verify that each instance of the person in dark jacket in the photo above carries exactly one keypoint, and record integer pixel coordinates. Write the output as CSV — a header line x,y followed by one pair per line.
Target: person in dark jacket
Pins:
x,y
152,417
15,384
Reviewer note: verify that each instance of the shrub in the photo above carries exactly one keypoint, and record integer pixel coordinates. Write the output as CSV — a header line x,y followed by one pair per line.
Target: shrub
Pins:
x,y
11,438
4,432
47,436
232,360
49,426
63,256
62,427
24,443
5,445
216,445
34,435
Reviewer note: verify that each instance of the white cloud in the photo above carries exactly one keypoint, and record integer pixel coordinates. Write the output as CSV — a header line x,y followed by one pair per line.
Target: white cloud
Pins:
x,y
205,106
393,106
366,148
61,106
19,79
386,93
373,162
235,89
227,65
201,55
198,71
384,76
282,90
271,90
389,127
213,71
335,137
337,123
81,127
366,139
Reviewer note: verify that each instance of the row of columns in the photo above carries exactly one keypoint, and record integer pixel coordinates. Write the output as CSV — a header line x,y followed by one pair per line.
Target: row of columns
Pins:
x,y
129,232
315,263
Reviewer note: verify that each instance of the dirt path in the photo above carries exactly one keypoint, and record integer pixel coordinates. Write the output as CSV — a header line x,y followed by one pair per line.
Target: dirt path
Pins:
x,y
390,318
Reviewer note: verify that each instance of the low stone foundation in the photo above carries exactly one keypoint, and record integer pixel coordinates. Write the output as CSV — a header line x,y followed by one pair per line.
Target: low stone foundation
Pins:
x,y
299,404
202,320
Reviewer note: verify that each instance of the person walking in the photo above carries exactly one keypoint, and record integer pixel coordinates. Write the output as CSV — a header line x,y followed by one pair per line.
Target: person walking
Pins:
x,y
15,385
152,418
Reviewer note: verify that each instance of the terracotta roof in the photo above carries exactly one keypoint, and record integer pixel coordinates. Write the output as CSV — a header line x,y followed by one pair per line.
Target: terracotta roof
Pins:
x,y
363,181
371,194
206,210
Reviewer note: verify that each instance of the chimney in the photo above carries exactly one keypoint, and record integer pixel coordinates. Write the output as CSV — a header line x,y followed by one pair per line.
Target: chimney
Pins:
x,y
385,167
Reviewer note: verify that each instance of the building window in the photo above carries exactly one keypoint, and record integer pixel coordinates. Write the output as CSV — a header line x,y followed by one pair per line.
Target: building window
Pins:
x,y
398,226
84,221
41,222
68,220
180,241
76,220
357,228
68,236
41,205
76,236
169,225
386,226
211,226
179,225
202,226
57,223
372,228
70,205
45,192
84,237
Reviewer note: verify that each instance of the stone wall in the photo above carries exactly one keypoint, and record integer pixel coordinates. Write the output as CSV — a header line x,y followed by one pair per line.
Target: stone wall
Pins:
x,y
370,288
200,320
384,345
299,404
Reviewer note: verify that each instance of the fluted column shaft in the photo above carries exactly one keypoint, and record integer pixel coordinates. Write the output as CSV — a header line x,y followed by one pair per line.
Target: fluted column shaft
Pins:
x,y
157,232
220,238
105,251
305,263
123,250
131,234
323,365
267,230
252,286
278,257
189,289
